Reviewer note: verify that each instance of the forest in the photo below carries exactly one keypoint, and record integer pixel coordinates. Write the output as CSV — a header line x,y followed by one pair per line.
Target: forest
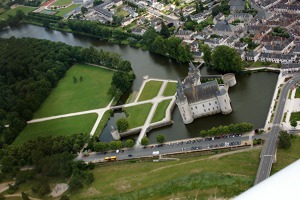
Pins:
x,y
30,68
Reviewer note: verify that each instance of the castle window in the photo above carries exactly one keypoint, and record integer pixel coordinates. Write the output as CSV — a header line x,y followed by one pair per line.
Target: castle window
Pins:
x,y
225,100
203,105
196,107
209,103
193,113
217,107
191,108
209,109
215,102
213,108
225,107
204,110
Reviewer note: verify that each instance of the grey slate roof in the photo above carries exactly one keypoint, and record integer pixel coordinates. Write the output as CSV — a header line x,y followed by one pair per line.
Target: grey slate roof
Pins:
x,y
201,92
251,54
262,14
224,26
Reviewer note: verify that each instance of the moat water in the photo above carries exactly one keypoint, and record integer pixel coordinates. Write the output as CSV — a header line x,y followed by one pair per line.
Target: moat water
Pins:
x,y
251,96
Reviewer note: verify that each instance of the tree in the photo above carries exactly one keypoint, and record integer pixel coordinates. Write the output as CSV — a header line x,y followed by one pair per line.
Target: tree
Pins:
x,y
84,10
122,124
144,141
199,6
121,80
101,146
149,36
160,138
46,24
64,197
164,30
129,143
293,123
226,59
206,54
284,140
114,145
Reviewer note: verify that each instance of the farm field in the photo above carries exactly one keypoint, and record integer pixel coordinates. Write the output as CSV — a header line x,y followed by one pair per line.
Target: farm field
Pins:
x,y
74,94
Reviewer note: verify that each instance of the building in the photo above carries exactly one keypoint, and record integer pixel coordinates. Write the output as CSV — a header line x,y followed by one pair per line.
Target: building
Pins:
x,y
185,34
251,56
224,29
195,99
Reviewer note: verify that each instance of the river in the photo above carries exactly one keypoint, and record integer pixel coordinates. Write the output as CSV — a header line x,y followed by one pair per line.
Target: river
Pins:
x,y
251,96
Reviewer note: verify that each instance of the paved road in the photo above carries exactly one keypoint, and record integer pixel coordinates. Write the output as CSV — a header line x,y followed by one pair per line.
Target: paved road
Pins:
x,y
171,147
269,150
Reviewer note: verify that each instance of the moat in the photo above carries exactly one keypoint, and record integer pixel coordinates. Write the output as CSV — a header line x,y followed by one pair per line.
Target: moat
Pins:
x,y
251,96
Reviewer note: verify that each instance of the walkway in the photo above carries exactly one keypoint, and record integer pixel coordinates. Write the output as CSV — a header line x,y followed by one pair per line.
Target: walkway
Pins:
x,y
100,112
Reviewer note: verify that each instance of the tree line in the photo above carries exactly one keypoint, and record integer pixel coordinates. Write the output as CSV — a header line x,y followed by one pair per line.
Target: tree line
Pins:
x,y
12,20
232,128
30,68
50,157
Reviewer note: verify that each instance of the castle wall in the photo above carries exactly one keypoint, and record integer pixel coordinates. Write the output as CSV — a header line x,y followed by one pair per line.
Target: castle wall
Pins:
x,y
185,112
224,102
204,108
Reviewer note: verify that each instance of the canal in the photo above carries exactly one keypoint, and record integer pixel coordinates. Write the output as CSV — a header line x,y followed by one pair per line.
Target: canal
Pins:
x,y
251,96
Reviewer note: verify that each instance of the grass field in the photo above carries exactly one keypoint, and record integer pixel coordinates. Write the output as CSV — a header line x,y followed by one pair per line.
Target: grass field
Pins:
x,y
13,12
297,94
62,2
63,11
137,115
63,126
286,157
170,89
264,64
168,180
121,13
295,116
68,97
150,90
160,112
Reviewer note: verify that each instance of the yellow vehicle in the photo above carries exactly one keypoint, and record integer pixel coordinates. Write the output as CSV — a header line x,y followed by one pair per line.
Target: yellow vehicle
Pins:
x,y
107,158
113,158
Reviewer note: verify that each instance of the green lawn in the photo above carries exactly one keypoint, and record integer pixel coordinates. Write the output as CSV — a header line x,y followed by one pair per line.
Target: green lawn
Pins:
x,y
137,115
12,12
63,126
64,11
68,97
263,64
286,157
160,112
297,94
150,90
295,116
62,2
165,180
121,12
170,89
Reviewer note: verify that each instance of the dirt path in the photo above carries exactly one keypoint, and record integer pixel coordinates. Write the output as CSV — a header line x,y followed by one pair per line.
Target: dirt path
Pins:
x,y
4,186
208,158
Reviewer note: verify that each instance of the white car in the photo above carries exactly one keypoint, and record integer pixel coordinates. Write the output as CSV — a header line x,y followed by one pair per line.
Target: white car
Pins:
x,y
117,151
155,153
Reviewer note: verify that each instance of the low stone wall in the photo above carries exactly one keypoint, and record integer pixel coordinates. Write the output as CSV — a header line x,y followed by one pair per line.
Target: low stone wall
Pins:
x,y
131,132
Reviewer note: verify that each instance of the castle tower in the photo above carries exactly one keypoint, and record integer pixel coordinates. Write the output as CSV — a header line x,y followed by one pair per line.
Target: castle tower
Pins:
x,y
115,133
224,101
194,73
183,105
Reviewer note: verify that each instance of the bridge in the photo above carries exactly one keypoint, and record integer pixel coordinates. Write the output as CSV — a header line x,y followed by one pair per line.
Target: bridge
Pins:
x,y
268,154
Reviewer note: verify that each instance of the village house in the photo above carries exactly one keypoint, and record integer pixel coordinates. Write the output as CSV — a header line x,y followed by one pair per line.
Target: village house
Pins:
x,y
240,46
214,42
197,17
138,31
251,56
278,58
185,34
281,48
297,49
236,5
218,18
224,29
293,9
244,17
290,68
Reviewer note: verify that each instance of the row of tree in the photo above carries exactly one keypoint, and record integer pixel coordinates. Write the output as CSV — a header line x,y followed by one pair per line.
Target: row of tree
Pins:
x,y
12,20
233,128
27,77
